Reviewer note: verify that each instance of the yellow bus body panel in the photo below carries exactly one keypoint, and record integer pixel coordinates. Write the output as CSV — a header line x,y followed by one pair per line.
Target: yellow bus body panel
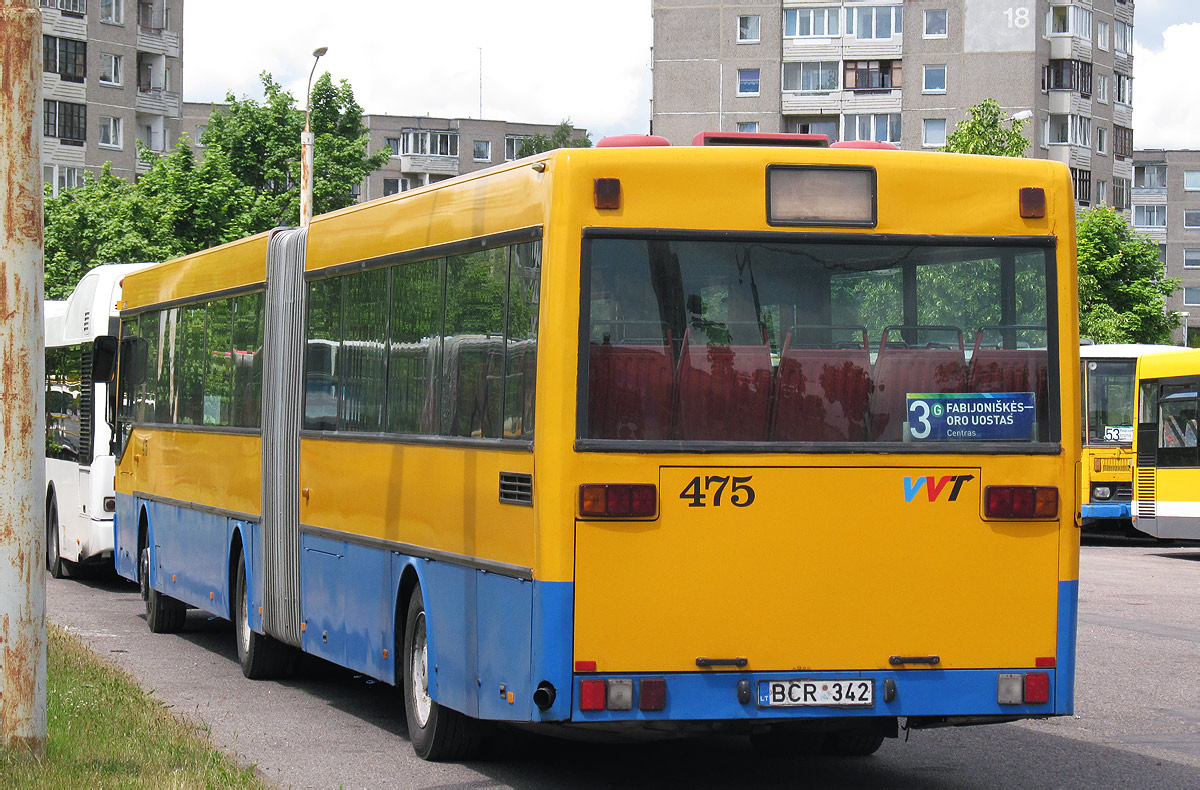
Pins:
x,y
234,266
217,470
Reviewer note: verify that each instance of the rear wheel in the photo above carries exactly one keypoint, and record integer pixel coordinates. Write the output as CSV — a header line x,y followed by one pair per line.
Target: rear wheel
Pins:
x,y
437,733
853,743
261,656
783,740
54,560
164,614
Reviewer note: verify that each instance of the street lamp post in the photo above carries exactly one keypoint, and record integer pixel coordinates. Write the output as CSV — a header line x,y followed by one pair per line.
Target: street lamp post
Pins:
x,y
1185,315
306,148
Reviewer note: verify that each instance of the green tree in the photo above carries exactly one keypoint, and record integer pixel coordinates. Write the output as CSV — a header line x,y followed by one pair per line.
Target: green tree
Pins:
x,y
1122,287
984,132
561,137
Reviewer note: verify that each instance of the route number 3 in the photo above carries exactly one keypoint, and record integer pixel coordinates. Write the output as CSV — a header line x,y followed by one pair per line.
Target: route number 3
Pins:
x,y
698,490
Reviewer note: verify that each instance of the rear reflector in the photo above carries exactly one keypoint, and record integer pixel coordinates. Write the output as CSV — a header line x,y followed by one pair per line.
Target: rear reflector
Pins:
x,y
1045,662
1020,502
607,193
592,694
618,500
1037,688
652,694
1033,202
585,666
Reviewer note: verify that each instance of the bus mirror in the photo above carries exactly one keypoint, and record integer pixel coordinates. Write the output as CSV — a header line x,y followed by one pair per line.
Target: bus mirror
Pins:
x,y
104,359
133,362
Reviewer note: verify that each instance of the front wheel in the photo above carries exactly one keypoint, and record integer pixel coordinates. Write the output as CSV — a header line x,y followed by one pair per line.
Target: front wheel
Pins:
x,y
261,656
164,614
54,560
437,733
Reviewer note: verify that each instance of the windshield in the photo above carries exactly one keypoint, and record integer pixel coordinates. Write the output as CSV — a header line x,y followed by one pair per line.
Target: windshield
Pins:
x,y
816,341
1109,393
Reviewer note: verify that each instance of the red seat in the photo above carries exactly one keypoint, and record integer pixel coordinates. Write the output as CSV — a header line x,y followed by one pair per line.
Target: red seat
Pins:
x,y
903,371
724,391
631,391
821,395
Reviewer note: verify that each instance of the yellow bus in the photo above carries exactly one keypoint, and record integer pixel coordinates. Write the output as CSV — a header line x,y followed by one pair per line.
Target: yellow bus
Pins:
x,y
1167,463
1107,383
737,438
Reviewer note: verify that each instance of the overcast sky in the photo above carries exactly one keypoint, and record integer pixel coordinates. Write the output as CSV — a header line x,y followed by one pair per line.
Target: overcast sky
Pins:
x,y
544,61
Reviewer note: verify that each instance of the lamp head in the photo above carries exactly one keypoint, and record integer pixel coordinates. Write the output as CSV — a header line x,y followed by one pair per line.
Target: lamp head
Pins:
x,y
320,51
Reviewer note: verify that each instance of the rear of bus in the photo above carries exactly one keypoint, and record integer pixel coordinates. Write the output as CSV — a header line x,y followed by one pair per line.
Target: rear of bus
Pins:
x,y
1167,456
824,448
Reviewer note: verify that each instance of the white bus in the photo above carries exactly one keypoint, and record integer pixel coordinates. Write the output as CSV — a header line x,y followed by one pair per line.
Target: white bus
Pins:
x,y
79,461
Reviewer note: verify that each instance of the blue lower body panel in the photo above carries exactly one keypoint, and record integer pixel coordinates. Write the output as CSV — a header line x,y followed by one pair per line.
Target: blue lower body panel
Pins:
x,y
1102,510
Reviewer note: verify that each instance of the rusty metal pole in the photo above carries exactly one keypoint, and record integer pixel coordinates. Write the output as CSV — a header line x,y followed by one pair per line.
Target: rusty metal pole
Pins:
x,y
22,386
306,148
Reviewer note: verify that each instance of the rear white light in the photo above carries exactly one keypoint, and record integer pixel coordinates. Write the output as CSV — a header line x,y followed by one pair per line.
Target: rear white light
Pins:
x,y
1010,689
620,694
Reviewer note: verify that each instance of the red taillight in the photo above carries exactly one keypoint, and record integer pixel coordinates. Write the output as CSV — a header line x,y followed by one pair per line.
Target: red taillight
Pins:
x,y
1037,688
652,694
618,500
592,694
1020,502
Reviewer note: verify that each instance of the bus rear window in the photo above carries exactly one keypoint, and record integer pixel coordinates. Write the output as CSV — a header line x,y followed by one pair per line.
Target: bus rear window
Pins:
x,y
816,341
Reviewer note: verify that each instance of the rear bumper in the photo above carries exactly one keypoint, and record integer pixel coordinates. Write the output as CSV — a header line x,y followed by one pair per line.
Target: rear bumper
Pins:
x,y
1099,510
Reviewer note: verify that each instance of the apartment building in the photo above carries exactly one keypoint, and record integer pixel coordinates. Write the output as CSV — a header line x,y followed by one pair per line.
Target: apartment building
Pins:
x,y
1166,207
112,75
905,73
424,149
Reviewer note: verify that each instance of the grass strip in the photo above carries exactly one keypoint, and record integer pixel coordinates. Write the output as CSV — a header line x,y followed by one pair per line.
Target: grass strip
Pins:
x,y
106,732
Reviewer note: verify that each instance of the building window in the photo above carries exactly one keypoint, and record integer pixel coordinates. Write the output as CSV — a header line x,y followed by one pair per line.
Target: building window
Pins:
x,y
65,120
67,6
61,177
933,134
747,84
1191,259
394,143
1067,130
1150,177
443,143
1191,296
110,69
811,77
1124,92
826,125
935,23
748,29
1068,75
875,22
1082,179
110,132
1101,141
483,150
425,143
1102,88
512,145
1191,219
1191,180
799,22
391,186
1122,142
880,127
867,75
1071,20
1102,35
112,11
1120,189
1101,192
935,79
1123,40
1153,216
65,57
748,126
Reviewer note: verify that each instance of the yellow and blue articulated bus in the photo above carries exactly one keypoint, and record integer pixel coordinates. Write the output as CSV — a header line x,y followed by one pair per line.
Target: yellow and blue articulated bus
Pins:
x,y
1166,477
764,439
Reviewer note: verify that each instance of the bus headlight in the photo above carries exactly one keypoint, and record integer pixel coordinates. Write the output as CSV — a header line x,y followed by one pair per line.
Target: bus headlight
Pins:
x,y
1101,492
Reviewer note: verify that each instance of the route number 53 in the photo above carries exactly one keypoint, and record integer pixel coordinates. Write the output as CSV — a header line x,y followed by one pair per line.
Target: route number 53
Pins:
x,y
699,489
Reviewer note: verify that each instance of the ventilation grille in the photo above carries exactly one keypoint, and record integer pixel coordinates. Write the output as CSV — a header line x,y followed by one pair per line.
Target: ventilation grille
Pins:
x,y
1144,483
87,406
87,322
516,489
1114,464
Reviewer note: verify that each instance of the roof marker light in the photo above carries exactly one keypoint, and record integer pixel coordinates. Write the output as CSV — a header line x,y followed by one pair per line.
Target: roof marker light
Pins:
x,y
607,193
1033,202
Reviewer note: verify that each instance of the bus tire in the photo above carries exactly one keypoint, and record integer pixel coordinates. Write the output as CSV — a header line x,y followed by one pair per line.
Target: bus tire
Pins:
x,y
437,733
54,560
859,742
783,740
164,614
261,656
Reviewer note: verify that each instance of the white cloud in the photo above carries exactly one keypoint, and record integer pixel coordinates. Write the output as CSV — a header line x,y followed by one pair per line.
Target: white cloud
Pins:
x,y
1166,101
543,60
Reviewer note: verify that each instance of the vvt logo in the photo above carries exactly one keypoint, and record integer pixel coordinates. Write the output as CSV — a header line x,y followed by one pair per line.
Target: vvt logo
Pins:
x,y
934,486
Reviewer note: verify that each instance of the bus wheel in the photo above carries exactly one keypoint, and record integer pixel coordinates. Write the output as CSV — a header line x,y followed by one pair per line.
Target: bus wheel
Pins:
x,y
437,733
54,561
782,740
164,614
859,742
261,656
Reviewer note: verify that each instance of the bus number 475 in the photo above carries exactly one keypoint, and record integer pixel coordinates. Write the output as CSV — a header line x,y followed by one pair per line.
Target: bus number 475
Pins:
x,y
699,489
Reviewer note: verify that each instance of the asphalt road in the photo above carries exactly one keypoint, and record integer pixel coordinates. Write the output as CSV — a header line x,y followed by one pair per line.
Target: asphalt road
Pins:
x,y
1137,719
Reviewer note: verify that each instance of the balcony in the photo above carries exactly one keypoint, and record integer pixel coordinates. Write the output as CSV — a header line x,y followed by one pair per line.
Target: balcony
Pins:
x,y
157,101
152,35
425,163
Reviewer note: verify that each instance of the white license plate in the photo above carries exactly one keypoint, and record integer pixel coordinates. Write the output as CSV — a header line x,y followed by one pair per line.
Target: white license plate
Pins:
x,y
857,693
